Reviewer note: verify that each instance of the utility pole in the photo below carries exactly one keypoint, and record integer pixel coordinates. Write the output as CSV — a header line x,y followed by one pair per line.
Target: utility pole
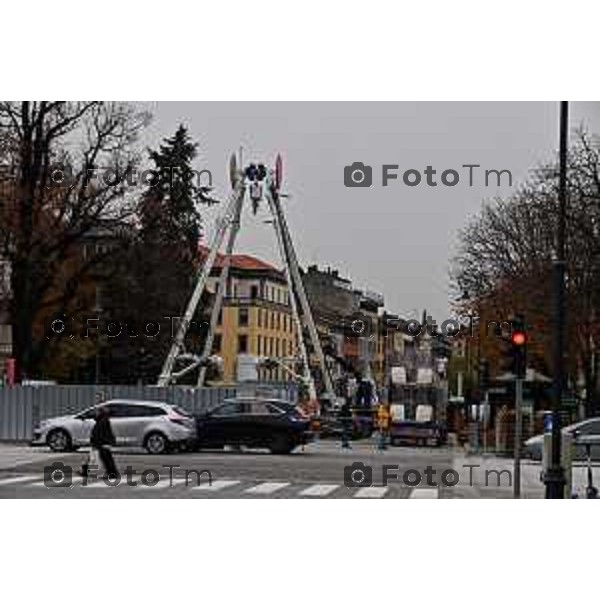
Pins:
x,y
554,478
486,407
518,339
518,436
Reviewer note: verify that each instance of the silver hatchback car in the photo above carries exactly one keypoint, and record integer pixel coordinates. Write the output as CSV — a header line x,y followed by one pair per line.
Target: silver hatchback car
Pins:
x,y
155,426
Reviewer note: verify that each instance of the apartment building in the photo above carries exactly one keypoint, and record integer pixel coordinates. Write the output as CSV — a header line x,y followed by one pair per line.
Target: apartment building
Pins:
x,y
256,318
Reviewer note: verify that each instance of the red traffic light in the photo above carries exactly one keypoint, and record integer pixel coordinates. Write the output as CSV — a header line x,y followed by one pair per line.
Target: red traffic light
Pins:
x,y
519,338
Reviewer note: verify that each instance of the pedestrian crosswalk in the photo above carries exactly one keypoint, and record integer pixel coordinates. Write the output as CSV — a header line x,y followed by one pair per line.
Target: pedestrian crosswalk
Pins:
x,y
229,487
14,480
371,492
267,488
319,490
217,485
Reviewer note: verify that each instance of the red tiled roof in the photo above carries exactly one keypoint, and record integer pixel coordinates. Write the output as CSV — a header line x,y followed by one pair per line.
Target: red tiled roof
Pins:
x,y
240,261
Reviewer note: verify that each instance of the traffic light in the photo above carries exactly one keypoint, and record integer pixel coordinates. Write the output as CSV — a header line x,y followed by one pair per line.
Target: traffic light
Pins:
x,y
516,348
518,338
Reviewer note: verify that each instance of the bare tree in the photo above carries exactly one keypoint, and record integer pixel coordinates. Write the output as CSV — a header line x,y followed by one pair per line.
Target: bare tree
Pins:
x,y
55,190
505,254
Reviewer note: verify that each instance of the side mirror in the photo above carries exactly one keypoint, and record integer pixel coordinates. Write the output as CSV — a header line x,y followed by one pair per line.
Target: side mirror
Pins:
x,y
576,433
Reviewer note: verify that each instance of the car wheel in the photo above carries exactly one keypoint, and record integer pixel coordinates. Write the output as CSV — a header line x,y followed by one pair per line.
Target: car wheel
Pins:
x,y
281,445
156,443
59,440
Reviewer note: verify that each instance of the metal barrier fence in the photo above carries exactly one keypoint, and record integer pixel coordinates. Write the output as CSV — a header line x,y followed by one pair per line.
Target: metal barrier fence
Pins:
x,y
21,408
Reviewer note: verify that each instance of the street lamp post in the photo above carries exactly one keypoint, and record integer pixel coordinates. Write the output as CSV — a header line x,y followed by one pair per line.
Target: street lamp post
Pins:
x,y
554,477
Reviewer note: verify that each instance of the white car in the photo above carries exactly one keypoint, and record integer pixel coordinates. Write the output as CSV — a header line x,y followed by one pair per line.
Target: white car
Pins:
x,y
156,426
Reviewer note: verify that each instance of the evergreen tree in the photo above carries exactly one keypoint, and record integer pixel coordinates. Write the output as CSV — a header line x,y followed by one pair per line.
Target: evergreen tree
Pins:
x,y
168,211
158,276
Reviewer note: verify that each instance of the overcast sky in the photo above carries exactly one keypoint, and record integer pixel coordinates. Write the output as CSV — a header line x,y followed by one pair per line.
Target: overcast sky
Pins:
x,y
397,240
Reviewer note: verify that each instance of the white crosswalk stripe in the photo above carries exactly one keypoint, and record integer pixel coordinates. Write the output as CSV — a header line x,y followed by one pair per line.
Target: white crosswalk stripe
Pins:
x,y
267,487
92,484
424,494
217,485
21,479
319,490
371,492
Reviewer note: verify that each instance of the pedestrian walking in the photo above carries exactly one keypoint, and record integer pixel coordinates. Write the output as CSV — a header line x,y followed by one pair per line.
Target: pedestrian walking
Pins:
x,y
101,439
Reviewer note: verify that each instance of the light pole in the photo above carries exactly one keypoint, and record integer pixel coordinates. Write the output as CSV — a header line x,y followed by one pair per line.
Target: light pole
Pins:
x,y
554,478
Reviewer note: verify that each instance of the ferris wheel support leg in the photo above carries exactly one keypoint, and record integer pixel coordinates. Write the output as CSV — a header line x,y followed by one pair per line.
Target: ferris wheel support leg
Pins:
x,y
292,294
304,304
177,346
222,286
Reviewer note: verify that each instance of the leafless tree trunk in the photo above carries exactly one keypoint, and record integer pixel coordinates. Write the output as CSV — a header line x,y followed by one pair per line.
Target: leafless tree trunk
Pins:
x,y
43,223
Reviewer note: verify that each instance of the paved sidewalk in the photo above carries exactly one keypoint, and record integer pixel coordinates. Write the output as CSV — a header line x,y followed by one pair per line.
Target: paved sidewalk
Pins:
x,y
488,467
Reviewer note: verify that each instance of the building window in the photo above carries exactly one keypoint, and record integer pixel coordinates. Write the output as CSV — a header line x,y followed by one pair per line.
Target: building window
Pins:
x,y
259,345
216,347
254,292
242,344
277,347
272,320
243,317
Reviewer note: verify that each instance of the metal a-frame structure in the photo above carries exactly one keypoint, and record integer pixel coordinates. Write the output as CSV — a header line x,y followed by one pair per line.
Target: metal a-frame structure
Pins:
x,y
259,184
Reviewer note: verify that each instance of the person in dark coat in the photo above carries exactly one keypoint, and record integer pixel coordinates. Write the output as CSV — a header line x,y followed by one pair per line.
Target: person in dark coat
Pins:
x,y
102,438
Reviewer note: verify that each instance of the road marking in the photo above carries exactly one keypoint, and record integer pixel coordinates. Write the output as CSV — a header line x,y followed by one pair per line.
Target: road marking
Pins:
x,y
424,494
266,488
20,479
371,492
319,490
219,484
78,483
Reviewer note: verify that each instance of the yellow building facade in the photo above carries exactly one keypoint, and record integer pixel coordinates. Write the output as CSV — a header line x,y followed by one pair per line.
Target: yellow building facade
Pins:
x,y
256,319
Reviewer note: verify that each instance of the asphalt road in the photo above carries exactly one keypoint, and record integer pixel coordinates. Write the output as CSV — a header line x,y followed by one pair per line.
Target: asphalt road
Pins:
x,y
315,472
